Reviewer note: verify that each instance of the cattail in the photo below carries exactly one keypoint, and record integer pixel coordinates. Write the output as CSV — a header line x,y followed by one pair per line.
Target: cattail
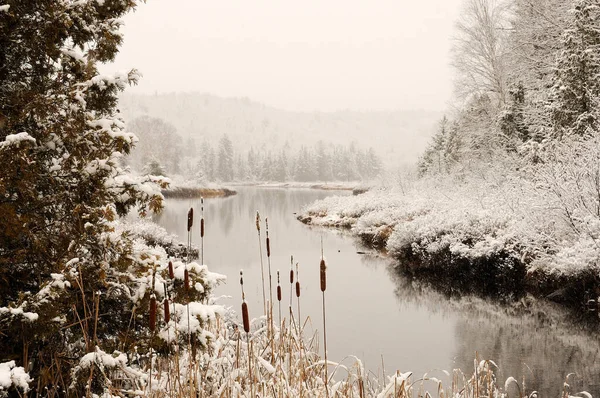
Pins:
x,y
245,317
167,311
262,267
291,275
323,275
152,313
298,289
278,288
171,271
190,219
268,247
186,279
202,228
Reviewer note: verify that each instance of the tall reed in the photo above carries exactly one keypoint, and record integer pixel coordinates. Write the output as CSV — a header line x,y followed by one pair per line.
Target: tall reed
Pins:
x,y
201,230
323,280
246,323
262,268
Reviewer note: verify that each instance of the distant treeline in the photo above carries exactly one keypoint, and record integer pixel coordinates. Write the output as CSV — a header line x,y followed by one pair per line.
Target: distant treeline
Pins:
x,y
161,151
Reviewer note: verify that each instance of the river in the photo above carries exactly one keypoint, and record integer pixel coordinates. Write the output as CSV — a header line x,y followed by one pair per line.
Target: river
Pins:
x,y
375,314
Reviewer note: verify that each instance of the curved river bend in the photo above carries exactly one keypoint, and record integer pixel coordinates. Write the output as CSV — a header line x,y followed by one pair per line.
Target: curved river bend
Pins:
x,y
373,313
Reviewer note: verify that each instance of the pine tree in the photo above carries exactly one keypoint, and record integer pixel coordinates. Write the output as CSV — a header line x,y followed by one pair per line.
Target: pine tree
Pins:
x,y
154,168
225,159
577,81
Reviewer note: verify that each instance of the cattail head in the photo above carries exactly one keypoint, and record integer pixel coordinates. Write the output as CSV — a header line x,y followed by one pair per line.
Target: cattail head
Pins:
x,y
245,317
171,271
202,228
167,310
297,288
242,284
186,279
323,268
278,287
257,221
291,269
268,247
190,221
152,313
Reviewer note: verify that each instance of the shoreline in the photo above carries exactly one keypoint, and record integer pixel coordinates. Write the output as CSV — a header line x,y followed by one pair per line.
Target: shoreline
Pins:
x,y
326,186
197,192
500,276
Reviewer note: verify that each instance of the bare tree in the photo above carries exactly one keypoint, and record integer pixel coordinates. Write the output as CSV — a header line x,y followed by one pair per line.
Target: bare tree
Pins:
x,y
479,51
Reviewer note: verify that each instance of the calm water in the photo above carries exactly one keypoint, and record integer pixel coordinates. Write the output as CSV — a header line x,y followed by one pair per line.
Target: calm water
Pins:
x,y
371,311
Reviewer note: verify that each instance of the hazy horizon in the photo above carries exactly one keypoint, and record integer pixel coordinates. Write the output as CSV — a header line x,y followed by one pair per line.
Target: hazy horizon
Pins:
x,y
309,56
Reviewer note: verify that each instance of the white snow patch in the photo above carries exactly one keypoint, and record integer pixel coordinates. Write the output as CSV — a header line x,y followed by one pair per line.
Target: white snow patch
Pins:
x,y
11,375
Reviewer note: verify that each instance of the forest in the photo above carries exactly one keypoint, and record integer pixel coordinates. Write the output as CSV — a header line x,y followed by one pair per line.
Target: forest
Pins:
x,y
205,163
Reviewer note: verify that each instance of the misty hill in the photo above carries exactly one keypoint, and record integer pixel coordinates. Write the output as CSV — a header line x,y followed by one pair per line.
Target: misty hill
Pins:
x,y
398,136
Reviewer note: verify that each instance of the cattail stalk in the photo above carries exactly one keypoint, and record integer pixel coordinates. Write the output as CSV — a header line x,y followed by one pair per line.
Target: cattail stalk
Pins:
x,y
279,296
323,278
270,308
171,271
152,321
201,230
246,323
262,268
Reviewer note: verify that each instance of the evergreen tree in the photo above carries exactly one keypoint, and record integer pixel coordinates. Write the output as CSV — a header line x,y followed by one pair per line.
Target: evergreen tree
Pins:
x,y
62,258
577,81
225,159
512,122
154,168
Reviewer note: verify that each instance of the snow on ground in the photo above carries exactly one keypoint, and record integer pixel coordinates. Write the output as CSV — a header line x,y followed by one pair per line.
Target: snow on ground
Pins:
x,y
473,216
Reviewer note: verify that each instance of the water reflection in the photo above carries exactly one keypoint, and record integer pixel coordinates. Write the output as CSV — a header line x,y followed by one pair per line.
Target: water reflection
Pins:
x,y
533,341
371,310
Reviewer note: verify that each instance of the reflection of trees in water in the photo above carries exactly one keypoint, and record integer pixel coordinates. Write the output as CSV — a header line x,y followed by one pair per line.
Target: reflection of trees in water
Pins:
x,y
226,215
531,339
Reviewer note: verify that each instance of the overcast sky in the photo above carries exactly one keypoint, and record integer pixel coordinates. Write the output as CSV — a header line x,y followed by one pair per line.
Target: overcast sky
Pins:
x,y
298,55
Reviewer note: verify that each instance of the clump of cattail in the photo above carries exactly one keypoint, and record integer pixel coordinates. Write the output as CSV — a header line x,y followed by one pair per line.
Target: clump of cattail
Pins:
x,y
152,313
323,268
171,271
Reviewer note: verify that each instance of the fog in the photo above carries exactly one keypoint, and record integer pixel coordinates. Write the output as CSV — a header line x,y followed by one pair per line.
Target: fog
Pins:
x,y
301,56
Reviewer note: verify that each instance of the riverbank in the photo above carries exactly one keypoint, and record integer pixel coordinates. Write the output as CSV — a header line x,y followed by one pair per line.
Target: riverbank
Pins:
x,y
497,236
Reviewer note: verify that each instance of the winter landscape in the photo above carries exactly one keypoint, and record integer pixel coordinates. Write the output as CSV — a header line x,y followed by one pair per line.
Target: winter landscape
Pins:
x,y
300,199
